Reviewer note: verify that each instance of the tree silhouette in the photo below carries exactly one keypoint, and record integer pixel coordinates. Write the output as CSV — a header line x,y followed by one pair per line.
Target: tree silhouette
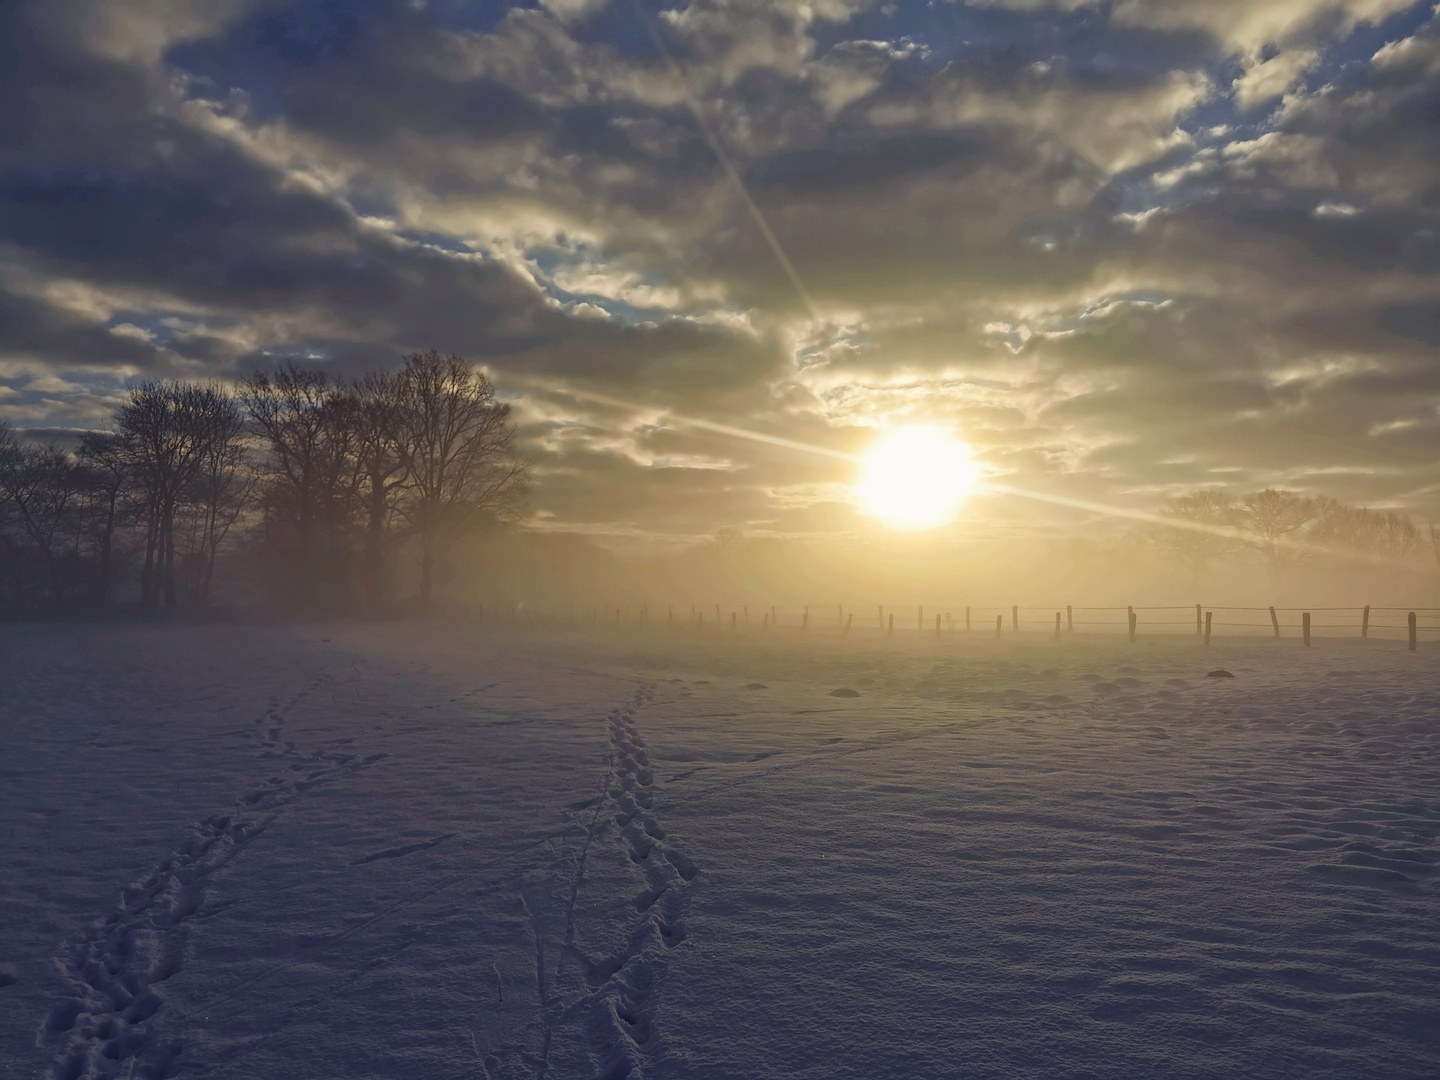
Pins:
x,y
458,450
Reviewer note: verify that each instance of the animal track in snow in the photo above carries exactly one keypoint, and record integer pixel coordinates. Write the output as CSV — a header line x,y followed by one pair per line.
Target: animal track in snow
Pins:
x,y
106,1026
117,967
622,1031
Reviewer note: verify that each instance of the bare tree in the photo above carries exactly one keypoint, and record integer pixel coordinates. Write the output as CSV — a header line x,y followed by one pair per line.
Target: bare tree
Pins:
x,y
1273,518
11,558
1204,530
309,429
459,454
1369,534
218,493
109,477
1346,528
380,451
1400,538
168,429
42,484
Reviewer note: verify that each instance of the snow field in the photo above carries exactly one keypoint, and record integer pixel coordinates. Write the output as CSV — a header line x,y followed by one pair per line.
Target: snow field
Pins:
x,y
370,851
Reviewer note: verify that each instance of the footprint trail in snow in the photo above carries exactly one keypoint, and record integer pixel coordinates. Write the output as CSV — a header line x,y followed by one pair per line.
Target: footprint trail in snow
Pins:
x,y
108,1025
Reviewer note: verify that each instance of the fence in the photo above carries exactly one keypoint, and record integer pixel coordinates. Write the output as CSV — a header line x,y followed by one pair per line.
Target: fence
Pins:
x,y
1363,621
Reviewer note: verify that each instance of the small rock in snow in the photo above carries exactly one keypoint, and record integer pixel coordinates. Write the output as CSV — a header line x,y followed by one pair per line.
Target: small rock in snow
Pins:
x,y
844,691
1219,673
756,686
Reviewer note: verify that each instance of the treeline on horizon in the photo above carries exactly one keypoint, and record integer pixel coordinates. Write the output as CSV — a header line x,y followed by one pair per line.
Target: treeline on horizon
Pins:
x,y
318,493
1283,530
299,493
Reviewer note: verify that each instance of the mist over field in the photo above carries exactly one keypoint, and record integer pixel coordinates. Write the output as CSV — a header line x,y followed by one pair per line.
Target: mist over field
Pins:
x,y
720,539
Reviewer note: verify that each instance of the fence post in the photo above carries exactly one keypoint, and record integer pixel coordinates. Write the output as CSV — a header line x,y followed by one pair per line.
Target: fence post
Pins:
x,y
1199,628
848,621
1015,618
1305,627
891,631
764,621
732,622
1130,611
1057,626
1208,616
999,623
1365,623
937,625
805,620
967,620
1275,622
1069,619
882,616
1411,621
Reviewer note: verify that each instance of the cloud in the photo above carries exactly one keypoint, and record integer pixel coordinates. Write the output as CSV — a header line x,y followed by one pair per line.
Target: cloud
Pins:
x,y
1268,79
1119,246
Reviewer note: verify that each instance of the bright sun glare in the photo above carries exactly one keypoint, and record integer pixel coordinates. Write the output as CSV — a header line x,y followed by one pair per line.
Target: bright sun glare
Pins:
x,y
916,478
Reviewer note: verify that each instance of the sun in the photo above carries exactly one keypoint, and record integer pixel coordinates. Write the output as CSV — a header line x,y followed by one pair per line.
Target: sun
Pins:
x,y
916,478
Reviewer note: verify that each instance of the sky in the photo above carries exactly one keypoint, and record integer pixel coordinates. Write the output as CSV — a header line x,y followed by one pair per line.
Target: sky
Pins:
x,y
1123,248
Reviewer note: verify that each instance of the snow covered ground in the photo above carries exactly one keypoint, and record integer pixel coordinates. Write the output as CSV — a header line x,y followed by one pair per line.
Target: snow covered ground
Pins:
x,y
491,852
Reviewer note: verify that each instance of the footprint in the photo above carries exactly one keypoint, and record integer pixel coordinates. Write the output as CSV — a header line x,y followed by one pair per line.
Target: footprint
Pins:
x,y
646,900
683,866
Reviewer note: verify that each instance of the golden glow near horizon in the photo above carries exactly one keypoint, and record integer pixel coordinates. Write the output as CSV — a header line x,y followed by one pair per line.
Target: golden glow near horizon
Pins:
x,y
916,478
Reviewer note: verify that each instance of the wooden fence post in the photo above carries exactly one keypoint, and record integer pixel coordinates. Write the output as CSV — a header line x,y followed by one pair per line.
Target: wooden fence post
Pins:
x,y
1365,623
1305,627
805,620
732,622
1015,618
999,623
849,619
1057,626
937,625
1199,623
1411,621
1208,616
920,617
765,621
891,632
967,620
1130,611
1069,619
1275,620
